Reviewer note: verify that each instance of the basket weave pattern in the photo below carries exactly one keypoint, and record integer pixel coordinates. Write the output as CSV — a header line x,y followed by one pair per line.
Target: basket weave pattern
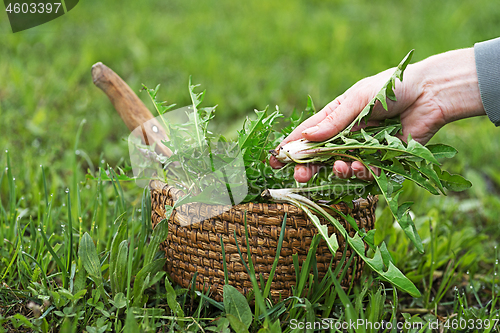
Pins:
x,y
191,248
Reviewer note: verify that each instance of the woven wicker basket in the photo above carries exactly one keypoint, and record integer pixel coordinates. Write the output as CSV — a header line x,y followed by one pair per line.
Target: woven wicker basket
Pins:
x,y
191,248
196,247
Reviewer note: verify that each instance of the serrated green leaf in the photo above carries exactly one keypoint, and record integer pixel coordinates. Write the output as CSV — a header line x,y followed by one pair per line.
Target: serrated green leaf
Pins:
x,y
196,99
400,213
428,170
310,105
418,150
383,94
391,148
455,183
331,240
250,127
413,174
377,263
442,151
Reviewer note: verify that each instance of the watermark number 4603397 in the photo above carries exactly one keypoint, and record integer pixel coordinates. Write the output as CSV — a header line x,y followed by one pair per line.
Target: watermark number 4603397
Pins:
x,y
26,14
33,8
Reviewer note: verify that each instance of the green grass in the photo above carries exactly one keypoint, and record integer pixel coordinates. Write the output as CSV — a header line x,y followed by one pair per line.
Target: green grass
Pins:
x,y
247,55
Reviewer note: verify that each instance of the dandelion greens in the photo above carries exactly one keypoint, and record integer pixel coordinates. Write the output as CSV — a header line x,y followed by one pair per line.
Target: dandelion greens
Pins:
x,y
198,156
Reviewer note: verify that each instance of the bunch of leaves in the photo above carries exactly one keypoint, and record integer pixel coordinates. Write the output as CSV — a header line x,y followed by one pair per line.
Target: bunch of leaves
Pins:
x,y
376,146
253,139
198,155
396,160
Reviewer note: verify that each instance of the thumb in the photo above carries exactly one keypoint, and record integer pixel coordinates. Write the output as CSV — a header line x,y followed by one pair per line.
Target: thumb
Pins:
x,y
339,117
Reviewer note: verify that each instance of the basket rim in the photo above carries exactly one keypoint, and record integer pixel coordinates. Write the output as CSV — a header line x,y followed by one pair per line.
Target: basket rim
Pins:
x,y
174,193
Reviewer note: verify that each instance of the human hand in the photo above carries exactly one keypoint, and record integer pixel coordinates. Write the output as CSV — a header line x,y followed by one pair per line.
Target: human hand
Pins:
x,y
438,90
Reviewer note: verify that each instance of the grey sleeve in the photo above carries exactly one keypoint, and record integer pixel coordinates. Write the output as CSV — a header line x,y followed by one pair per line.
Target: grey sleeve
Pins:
x,y
487,55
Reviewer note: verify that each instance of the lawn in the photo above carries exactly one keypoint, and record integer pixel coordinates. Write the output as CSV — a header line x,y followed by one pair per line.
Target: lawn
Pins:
x,y
58,129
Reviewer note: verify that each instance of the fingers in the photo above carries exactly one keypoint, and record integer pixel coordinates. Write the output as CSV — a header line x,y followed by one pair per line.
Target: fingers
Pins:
x,y
339,116
342,169
275,164
297,132
304,172
312,121
361,172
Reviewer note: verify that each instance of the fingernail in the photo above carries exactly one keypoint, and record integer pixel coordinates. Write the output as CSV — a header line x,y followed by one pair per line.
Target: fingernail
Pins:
x,y
310,130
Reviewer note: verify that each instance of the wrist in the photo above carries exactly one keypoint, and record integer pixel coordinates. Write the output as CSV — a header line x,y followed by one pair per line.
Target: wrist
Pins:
x,y
449,80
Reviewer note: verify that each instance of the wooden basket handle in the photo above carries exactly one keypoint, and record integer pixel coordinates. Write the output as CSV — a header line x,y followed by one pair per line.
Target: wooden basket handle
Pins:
x,y
130,108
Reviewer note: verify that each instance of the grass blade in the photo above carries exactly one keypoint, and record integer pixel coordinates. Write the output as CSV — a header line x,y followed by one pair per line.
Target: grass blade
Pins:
x,y
267,288
49,247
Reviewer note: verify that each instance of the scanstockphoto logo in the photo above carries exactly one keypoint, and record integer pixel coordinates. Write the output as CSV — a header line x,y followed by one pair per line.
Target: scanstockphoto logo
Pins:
x,y
25,14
